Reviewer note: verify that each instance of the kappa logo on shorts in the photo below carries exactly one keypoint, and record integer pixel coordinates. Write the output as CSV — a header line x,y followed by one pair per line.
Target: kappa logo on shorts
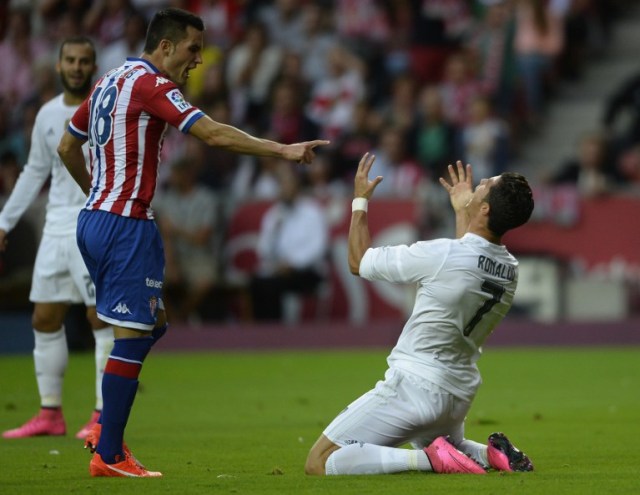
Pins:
x,y
122,309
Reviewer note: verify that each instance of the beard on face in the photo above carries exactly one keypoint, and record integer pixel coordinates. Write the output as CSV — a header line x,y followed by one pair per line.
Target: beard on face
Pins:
x,y
81,90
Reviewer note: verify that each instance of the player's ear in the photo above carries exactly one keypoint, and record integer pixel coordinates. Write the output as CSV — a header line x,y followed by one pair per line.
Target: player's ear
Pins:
x,y
485,208
166,46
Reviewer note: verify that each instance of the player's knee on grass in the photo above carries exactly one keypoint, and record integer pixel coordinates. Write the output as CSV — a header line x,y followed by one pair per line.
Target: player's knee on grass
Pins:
x,y
318,455
314,465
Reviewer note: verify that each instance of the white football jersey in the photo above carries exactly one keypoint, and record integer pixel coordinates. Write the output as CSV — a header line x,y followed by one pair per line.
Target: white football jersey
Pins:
x,y
464,289
65,196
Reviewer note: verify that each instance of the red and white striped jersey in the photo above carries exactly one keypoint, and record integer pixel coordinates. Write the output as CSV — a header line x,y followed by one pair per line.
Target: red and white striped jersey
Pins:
x,y
124,120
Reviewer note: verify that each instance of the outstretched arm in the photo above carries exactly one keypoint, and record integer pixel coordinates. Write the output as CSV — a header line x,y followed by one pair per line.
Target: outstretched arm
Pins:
x,y
359,236
70,151
233,139
460,192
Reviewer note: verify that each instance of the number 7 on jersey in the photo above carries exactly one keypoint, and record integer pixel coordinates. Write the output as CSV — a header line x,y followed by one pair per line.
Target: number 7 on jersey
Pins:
x,y
496,290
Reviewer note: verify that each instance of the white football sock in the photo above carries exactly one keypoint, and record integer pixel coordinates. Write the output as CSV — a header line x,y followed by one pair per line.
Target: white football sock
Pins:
x,y
477,451
50,356
367,458
104,344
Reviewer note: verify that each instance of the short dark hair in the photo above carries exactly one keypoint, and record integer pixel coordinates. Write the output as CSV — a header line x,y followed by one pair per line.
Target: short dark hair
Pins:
x,y
170,24
510,202
77,40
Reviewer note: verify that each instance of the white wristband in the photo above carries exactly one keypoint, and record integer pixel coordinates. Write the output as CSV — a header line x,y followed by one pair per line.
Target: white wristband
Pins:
x,y
359,204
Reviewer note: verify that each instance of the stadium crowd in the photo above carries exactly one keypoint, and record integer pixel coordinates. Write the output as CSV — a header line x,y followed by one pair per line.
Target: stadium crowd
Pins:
x,y
421,83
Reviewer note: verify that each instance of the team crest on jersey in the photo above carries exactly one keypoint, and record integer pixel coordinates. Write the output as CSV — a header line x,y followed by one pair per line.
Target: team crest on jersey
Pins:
x,y
161,80
153,305
178,101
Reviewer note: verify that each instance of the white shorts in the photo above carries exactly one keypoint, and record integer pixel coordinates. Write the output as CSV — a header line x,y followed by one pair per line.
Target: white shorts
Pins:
x,y
59,274
399,411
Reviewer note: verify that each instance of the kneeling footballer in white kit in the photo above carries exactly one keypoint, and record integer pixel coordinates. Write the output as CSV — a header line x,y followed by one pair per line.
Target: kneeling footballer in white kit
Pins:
x,y
465,286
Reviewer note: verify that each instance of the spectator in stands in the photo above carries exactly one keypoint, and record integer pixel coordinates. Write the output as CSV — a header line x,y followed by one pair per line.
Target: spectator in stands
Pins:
x,y
434,139
188,218
291,71
361,21
316,41
438,28
403,176
106,20
335,96
131,44
18,139
458,88
590,171
363,27
359,136
256,179
212,85
149,7
539,40
284,22
485,139
397,50
46,84
492,49
323,184
286,121
208,82
292,249
399,109
628,167
20,51
579,39
218,178
622,114
251,70
62,19
223,21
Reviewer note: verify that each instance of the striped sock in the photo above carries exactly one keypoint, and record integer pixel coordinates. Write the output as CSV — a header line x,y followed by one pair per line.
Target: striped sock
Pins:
x,y
119,387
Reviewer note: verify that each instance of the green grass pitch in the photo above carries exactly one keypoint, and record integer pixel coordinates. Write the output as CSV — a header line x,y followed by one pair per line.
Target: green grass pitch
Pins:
x,y
242,423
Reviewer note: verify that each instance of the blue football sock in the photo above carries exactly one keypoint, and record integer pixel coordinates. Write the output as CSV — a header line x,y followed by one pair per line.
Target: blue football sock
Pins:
x,y
119,387
158,332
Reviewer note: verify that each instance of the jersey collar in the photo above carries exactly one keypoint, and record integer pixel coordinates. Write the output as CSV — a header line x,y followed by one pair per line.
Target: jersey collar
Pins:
x,y
141,61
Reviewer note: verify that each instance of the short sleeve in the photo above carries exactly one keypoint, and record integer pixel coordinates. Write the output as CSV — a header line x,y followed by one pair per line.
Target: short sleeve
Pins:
x,y
404,264
79,124
167,102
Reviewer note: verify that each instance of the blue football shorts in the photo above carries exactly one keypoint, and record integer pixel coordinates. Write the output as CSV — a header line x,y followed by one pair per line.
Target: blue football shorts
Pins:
x,y
125,259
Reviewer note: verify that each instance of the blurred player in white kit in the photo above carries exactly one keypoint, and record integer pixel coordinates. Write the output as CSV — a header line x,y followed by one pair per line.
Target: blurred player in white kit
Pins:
x,y
60,277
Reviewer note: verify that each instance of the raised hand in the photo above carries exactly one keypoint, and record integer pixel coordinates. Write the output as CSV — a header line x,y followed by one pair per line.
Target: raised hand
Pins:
x,y
363,187
460,187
